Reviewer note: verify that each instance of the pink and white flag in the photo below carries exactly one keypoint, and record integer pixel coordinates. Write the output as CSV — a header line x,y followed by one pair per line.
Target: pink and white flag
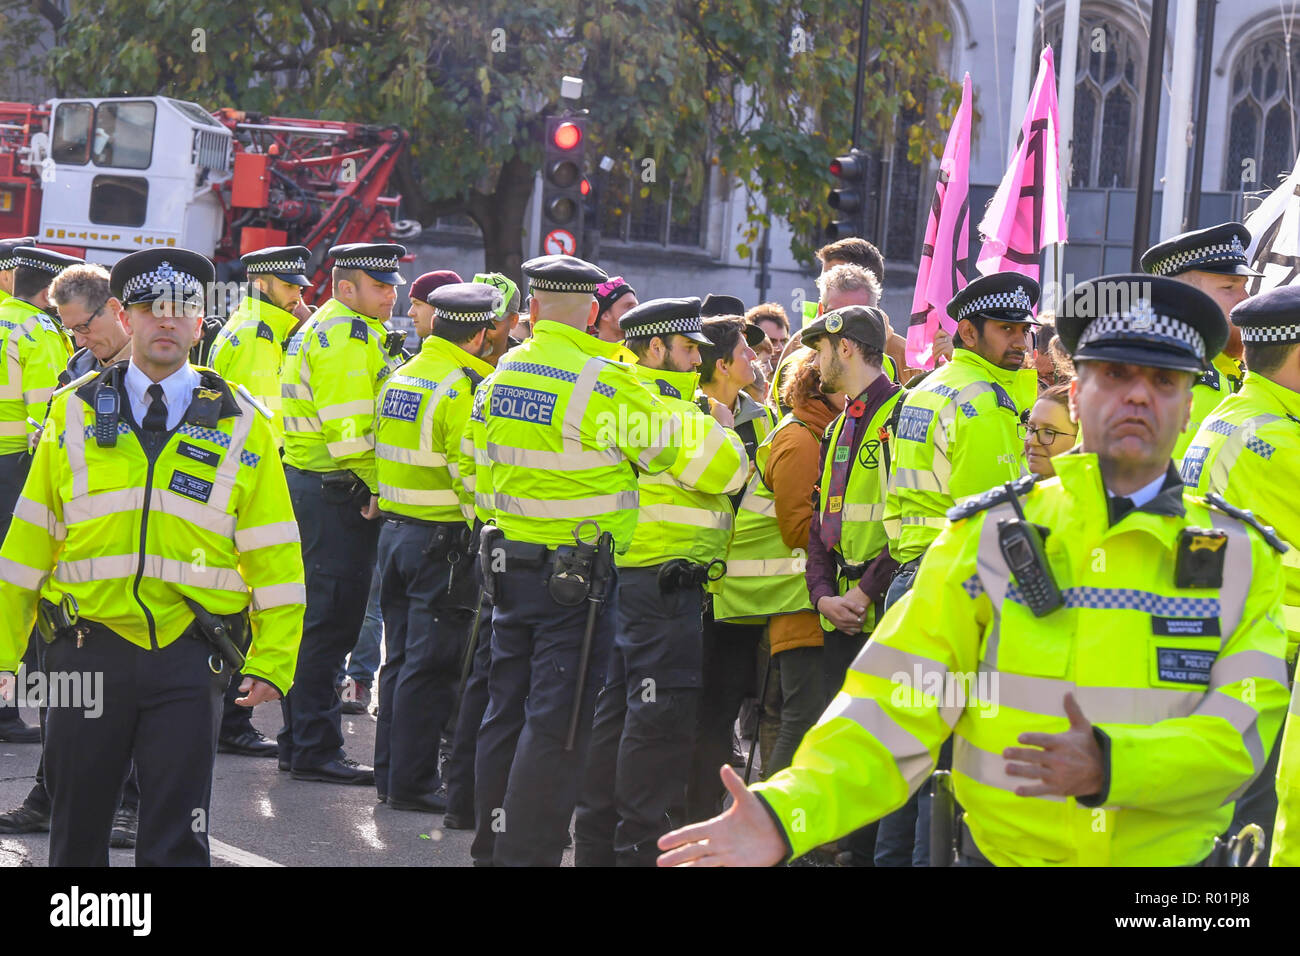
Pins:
x,y
944,256
1026,214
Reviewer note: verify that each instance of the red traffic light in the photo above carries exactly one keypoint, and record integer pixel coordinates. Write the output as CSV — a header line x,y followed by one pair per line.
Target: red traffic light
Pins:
x,y
585,187
852,166
567,135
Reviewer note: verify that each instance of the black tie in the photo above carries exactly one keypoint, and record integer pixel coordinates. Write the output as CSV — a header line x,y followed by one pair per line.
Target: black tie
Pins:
x,y
155,416
1119,507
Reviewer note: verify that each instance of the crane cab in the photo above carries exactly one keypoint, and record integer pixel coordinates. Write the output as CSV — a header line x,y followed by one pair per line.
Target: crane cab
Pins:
x,y
121,174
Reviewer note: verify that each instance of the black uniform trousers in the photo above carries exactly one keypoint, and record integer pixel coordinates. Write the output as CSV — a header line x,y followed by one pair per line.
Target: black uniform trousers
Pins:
x,y
423,639
643,734
338,555
159,708
730,675
526,784
458,771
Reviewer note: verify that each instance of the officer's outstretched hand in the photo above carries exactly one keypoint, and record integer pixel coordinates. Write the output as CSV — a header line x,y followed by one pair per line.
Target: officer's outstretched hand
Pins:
x,y
8,686
742,835
1069,764
255,692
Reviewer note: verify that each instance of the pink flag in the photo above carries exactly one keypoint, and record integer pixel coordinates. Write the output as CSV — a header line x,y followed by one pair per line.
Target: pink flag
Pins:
x,y
1026,213
944,258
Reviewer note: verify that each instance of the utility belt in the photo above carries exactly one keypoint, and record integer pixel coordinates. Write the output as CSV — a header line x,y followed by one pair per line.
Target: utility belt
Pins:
x,y
62,621
680,574
951,838
449,541
228,634
581,571
343,487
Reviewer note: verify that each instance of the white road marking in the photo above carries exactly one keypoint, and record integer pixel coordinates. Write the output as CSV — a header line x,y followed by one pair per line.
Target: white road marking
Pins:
x,y
233,854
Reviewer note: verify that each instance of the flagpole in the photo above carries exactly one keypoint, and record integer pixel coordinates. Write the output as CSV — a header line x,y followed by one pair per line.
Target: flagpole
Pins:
x,y
1180,107
1150,123
1065,103
1202,98
1025,62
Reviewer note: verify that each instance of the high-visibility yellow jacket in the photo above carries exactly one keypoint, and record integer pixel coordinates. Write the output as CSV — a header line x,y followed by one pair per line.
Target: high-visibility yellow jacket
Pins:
x,y
128,538
249,350
863,531
334,368
1286,829
684,511
1248,451
423,416
1224,378
764,576
564,425
35,352
1186,686
956,438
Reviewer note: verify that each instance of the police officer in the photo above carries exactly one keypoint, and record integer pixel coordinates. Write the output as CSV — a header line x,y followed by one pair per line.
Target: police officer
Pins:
x,y
458,771
1135,698
333,369
427,588
956,430
250,347
35,351
565,425
644,729
1214,261
88,310
8,263
1248,450
135,469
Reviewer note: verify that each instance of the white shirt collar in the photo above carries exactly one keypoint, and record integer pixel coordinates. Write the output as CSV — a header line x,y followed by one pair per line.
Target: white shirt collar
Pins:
x,y
1143,494
178,389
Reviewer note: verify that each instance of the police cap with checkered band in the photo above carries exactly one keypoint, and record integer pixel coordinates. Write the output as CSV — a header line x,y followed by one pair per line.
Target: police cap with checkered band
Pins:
x,y
1270,318
379,260
7,247
288,263
563,274
474,303
664,317
1141,320
152,274
1001,297
1220,249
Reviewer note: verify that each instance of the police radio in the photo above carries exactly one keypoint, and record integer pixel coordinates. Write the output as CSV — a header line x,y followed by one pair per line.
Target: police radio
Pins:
x,y
108,408
1021,545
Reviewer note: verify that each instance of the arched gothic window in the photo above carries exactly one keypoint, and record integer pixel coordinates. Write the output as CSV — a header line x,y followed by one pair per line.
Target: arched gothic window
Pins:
x,y
1262,122
1107,96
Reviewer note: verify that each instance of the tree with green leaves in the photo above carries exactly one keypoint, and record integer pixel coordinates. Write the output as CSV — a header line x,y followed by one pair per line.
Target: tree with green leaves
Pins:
x,y
749,93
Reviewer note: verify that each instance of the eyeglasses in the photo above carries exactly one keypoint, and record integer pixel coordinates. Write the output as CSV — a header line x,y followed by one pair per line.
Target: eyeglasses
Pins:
x,y
1044,435
84,327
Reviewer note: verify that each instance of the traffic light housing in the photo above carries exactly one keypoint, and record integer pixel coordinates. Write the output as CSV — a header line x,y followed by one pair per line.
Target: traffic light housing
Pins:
x,y
562,185
848,199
